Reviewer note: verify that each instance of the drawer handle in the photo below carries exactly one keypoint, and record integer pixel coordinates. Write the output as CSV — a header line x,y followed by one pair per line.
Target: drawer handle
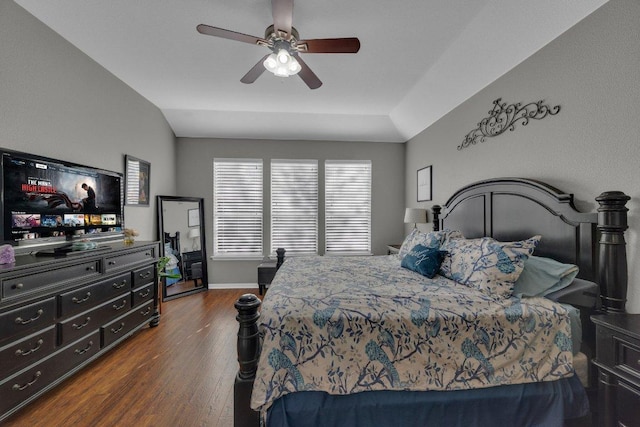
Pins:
x,y
80,301
18,286
144,295
145,275
33,350
18,387
146,312
120,285
115,331
78,327
20,321
84,350
120,307
147,254
112,263
91,268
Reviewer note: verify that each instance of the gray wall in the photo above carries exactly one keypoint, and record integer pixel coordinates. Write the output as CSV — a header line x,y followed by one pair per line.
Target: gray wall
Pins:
x,y
195,163
593,145
56,101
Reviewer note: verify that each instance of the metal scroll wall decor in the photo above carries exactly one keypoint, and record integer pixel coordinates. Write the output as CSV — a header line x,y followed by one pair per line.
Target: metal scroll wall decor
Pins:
x,y
504,117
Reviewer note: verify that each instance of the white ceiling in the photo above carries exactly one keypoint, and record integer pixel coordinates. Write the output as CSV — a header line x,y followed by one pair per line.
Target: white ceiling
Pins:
x,y
418,60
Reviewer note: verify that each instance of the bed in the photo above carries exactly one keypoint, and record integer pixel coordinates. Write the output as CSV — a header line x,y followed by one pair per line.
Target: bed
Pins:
x,y
172,251
320,353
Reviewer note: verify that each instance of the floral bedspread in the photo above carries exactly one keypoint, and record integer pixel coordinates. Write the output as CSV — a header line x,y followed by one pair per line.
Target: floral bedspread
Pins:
x,y
347,325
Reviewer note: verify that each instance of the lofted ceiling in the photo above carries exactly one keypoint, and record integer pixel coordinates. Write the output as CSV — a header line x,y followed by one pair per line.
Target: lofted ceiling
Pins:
x,y
418,60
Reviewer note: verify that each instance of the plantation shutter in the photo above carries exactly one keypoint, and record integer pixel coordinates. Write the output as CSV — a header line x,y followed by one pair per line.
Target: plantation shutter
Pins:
x,y
237,207
348,207
294,206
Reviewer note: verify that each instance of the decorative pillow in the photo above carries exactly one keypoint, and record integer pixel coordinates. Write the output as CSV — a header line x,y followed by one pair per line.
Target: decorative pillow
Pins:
x,y
542,276
423,260
433,239
486,264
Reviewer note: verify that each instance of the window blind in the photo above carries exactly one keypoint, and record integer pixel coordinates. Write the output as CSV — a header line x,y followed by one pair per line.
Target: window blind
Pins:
x,y
133,185
294,206
237,207
348,207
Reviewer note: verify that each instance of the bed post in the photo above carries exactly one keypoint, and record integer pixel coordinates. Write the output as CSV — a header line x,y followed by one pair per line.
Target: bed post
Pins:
x,y
436,209
280,254
612,260
248,354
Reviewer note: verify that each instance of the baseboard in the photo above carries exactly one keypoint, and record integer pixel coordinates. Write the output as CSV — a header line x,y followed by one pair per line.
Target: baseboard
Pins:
x,y
233,286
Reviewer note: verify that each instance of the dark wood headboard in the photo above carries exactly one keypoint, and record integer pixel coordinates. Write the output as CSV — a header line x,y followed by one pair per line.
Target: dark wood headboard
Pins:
x,y
509,209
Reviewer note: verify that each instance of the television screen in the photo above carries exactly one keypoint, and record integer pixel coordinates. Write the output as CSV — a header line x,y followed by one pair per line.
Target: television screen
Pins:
x,y
47,198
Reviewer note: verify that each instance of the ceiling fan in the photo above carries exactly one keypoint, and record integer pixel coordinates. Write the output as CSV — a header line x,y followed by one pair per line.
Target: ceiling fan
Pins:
x,y
285,45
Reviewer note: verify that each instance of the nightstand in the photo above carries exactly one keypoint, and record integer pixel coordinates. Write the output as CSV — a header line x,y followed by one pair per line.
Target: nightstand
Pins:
x,y
189,259
393,249
618,363
266,271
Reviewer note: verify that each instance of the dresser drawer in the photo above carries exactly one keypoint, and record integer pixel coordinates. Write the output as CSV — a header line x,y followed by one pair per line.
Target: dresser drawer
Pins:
x,y
82,299
28,318
145,275
20,354
120,327
22,386
21,285
77,326
142,294
629,357
120,261
627,404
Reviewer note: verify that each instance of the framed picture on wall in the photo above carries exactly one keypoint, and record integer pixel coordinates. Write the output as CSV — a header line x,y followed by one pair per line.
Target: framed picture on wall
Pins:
x,y
137,175
424,184
193,217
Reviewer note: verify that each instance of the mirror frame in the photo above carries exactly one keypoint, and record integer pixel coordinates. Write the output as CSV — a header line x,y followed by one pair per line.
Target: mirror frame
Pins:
x,y
203,247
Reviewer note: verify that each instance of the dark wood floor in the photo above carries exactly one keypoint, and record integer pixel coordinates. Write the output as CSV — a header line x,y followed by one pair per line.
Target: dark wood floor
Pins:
x,y
178,374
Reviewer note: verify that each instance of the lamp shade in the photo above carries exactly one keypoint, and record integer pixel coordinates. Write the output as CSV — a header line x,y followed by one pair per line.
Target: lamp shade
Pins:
x,y
415,215
194,233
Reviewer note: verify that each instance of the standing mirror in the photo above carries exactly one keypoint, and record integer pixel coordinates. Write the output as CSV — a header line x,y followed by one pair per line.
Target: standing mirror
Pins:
x,y
181,229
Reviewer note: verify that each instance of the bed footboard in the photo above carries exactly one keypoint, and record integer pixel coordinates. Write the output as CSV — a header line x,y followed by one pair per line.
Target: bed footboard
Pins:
x,y
248,355
249,346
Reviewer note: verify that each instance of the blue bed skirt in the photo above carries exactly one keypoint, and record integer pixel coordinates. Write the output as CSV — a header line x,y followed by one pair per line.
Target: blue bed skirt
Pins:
x,y
539,404
170,281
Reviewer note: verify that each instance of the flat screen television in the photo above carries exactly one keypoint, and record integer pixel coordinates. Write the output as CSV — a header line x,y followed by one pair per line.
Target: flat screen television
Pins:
x,y
48,202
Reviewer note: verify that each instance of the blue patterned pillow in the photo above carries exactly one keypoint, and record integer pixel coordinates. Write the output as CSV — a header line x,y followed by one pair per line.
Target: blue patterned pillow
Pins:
x,y
486,264
433,239
423,260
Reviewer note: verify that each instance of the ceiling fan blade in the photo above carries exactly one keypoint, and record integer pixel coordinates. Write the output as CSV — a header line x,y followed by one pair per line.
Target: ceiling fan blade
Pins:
x,y
308,76
344,45
228,34
255,72
282,16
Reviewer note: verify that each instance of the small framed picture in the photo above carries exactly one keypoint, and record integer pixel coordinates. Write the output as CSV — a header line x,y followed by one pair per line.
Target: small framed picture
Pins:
x,y
137,175
193,217
424,184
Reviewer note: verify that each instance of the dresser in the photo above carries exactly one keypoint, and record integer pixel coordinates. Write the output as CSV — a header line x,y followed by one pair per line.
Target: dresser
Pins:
x,y
57,314
618,363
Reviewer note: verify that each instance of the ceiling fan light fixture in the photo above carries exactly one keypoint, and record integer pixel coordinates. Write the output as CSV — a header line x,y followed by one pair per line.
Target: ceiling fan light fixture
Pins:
x,y
294,67
283,57
270,63
282,64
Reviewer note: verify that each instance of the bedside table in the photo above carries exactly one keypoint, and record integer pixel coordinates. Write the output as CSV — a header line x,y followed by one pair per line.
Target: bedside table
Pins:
x,y
188,261
393,249
266,271
618,363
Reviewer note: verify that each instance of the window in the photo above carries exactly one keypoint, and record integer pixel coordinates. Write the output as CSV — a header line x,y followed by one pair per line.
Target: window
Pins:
x,y
348,207
237,207
294,206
